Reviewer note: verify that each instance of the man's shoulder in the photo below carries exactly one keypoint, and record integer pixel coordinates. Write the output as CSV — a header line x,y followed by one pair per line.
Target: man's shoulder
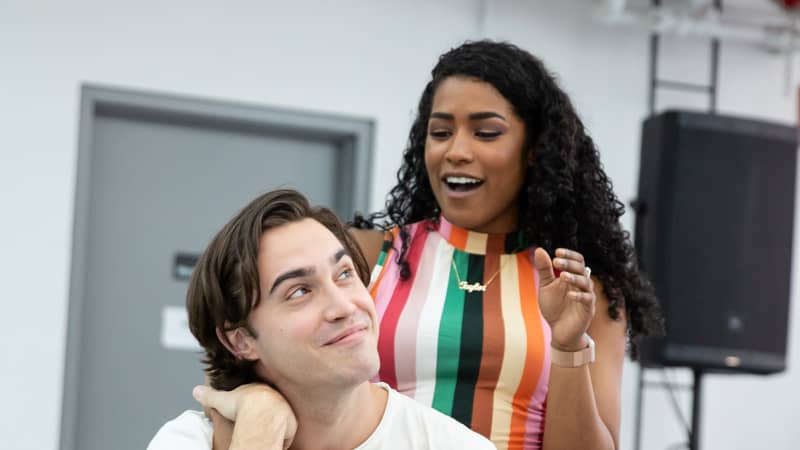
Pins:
x,y
440,430
189,431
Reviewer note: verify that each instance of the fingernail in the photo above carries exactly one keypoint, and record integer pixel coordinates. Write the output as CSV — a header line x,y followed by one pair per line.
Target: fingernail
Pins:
x,y
198,392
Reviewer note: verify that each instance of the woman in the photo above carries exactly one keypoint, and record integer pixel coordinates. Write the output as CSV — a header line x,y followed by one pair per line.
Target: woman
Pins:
x,y
498,175
498,164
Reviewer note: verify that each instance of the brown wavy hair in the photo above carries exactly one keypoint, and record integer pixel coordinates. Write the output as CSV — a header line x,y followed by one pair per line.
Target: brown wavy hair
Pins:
x,y
224,288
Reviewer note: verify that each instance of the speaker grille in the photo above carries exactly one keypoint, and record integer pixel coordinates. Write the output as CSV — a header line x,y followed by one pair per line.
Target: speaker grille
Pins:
x,y
717,236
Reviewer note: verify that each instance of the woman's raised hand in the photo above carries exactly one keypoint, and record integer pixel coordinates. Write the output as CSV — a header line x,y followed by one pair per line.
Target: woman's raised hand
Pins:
x,y
568,301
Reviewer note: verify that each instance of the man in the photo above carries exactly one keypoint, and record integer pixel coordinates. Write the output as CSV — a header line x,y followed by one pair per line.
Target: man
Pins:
x,y
279,298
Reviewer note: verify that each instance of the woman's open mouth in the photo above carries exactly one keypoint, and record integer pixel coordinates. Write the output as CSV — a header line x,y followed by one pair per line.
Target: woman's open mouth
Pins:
x,y
462,183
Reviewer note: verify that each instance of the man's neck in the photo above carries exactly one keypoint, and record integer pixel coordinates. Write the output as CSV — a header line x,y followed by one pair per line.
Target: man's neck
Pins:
x,y
337,420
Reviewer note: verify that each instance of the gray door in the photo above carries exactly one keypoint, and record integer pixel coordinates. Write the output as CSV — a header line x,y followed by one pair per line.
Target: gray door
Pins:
x,y
157,177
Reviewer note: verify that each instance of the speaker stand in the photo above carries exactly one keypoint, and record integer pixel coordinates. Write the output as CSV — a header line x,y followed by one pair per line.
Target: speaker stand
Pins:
x,y
693,433
697,400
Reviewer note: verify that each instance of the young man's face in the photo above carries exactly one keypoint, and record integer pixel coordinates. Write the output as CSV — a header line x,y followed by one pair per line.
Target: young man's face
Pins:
x,y
316,322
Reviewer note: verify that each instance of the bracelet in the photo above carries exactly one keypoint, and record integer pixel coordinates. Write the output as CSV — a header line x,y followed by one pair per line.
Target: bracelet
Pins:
x,y
573,359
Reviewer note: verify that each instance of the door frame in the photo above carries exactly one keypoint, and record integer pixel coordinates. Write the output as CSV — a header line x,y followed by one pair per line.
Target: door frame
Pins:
x,y
353,137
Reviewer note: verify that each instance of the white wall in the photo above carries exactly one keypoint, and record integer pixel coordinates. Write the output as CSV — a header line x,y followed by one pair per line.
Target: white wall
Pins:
x,y
367,58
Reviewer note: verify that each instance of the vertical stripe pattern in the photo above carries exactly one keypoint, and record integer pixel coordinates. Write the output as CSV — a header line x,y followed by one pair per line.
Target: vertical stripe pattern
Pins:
x,y
481,357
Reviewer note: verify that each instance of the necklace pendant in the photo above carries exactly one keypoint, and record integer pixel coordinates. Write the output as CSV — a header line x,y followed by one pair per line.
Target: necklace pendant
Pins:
x,y
464,286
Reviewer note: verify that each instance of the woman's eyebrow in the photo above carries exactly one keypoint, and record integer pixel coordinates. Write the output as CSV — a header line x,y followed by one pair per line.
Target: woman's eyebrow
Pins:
x,y
486,115
474,116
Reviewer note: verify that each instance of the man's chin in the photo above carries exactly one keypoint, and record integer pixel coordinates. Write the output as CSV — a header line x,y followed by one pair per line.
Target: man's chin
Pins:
x,y
365,369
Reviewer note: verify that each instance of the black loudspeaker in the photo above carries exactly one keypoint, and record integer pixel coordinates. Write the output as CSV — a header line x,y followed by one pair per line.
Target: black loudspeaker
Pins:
x,y
714,228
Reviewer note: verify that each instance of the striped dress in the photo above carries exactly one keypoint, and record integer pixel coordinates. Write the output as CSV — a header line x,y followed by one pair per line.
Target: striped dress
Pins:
x,y
480,357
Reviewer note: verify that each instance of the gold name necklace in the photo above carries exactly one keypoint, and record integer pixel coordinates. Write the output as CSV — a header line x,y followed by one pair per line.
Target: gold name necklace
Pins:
x,y
472,287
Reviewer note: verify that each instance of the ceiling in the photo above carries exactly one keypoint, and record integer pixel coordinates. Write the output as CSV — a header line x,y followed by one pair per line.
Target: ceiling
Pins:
x,y
762,6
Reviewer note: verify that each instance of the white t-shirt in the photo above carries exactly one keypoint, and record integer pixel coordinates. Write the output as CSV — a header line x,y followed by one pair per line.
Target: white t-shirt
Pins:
x,y
405,424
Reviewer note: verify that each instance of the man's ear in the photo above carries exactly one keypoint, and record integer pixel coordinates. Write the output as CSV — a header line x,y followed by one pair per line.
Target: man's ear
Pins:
x,y
239,342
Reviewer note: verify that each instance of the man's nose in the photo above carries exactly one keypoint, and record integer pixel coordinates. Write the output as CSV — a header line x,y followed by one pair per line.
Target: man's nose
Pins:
x,y
340,304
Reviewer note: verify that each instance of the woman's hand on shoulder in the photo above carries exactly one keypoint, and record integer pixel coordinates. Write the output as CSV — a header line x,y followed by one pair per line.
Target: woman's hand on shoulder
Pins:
x,y
567,302
245,397
250,405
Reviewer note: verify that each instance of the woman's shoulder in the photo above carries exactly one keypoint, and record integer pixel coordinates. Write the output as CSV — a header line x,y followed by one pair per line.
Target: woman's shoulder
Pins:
x,y
370,242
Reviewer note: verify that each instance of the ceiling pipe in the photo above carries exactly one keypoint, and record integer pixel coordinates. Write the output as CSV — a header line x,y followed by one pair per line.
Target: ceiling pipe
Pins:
x,y
779,36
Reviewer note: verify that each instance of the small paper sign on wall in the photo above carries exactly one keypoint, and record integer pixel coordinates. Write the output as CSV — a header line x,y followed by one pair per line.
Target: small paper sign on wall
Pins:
x,y
175,334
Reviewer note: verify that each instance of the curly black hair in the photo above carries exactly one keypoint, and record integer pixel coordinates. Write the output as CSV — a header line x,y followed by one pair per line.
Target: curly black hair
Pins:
x,y
567,199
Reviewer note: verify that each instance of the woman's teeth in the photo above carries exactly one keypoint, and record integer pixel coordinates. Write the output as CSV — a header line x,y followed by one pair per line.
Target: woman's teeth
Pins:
x,y
462,183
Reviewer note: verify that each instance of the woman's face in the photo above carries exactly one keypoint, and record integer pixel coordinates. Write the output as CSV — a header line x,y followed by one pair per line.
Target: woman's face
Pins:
x,y
474,155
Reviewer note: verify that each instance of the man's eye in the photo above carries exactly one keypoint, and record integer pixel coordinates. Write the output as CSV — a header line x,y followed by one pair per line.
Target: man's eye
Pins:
x,y
346,273
487,134
297,293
